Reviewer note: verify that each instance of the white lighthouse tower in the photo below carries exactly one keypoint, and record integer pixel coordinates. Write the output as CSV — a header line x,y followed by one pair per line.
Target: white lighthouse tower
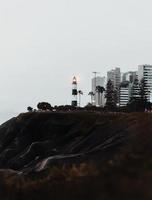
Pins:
x,y
74,92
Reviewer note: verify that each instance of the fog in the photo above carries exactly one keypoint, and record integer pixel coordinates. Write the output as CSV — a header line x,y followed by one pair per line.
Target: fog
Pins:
x,y
44,43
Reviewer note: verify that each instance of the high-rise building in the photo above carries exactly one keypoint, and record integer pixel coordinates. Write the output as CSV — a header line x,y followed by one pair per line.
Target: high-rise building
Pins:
x,y
125,93
115,76
117,80
135,90
129,76
98,98
128,90
111,76
145,72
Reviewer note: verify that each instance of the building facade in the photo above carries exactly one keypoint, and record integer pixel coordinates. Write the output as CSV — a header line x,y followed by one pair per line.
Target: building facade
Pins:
x,y
145,72
130,76
115,76
125,93
98,98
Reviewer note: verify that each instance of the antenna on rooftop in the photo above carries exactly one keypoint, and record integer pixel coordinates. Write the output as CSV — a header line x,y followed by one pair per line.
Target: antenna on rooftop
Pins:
x,y
95,76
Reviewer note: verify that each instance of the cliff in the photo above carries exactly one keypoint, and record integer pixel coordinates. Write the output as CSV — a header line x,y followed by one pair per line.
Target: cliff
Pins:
x,y
112,150
34,141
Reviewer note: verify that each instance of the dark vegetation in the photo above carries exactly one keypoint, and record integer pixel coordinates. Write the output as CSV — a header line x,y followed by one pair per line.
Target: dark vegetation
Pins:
x,y
44,106
139,101
76,156
111,96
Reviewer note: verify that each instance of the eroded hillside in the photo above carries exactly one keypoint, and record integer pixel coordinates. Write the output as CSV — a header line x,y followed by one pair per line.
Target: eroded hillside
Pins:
x,y
109,153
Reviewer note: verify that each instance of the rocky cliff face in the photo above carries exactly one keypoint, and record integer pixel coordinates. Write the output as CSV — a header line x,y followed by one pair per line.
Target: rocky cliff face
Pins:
x,y
34,141
86,156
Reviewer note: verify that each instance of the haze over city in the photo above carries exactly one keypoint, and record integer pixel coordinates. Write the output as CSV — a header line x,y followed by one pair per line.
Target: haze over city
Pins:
x,y
44,43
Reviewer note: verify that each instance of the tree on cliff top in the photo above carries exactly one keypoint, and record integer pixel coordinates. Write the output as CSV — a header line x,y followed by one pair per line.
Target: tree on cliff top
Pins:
x,y
100,90
139,100
111,96
44,106
30,109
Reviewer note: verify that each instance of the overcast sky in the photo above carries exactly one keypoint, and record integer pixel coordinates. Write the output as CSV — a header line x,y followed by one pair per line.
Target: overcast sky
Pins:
x,y
43,43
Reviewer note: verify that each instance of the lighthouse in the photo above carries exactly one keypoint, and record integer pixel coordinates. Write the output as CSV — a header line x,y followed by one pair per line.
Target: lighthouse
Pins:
x,y
74,92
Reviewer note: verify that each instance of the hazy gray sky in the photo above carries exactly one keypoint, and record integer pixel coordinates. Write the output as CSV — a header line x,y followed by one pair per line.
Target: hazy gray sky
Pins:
x,y
44,42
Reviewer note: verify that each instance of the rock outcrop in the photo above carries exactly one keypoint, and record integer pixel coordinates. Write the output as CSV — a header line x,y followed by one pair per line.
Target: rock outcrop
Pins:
x,y
34,141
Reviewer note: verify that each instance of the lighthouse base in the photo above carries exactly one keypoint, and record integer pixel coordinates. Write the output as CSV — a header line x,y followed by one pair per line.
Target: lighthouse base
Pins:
x,y
74,103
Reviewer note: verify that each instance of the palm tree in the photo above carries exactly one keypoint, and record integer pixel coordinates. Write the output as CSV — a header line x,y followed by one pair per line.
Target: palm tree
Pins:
x,y
92,95
80,93
99,90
